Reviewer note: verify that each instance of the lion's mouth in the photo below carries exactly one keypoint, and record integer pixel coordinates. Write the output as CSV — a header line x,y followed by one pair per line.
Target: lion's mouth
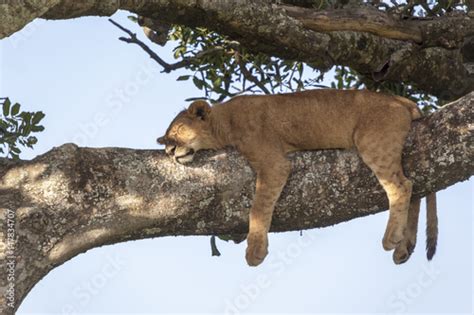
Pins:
x,y
185,158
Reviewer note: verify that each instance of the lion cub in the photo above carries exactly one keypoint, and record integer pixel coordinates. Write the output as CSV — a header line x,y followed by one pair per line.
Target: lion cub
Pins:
x,y
265,128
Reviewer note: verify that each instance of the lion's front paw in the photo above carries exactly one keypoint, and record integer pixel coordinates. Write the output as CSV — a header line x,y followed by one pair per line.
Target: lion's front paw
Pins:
x,y
393,236
257,249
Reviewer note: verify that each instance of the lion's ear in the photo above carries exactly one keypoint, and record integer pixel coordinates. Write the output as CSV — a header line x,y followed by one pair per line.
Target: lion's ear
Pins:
x,y
199,109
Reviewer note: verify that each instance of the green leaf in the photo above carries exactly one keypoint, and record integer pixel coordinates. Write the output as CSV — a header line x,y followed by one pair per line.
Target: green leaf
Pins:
x,y
198,82
6,107
194,99
26,129
37,128
26,116
183,77
37,117
217,82
3,125
32,140
15,109
132,18
179,51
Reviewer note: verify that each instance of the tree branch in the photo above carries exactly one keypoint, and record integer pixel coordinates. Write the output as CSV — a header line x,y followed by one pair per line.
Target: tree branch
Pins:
x,y
134,40
72,199
167,67
387,47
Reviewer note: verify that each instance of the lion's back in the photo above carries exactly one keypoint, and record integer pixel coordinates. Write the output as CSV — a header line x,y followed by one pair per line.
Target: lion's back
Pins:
x,y
313,119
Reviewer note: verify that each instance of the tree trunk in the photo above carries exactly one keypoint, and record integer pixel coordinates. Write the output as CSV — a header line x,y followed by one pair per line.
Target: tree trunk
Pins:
x,y
433,54
72,199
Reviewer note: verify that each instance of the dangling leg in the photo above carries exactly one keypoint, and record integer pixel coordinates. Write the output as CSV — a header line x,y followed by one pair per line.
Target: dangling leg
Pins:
x,y
271,178
382,153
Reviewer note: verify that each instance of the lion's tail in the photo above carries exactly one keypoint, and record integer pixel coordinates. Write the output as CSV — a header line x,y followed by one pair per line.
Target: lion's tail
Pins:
x,y
431,225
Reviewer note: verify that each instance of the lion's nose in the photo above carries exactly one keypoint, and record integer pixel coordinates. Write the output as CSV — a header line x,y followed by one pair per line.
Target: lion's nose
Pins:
x,y
160,140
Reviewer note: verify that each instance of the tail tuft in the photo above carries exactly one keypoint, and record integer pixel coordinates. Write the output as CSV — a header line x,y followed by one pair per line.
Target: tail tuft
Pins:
x,y
431,226
431,247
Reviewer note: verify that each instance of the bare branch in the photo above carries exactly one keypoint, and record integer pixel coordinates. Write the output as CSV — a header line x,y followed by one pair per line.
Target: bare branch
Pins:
x,y
167,67
134,40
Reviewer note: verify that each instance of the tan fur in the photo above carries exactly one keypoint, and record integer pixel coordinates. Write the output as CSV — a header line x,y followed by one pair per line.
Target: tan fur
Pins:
x,y
265,128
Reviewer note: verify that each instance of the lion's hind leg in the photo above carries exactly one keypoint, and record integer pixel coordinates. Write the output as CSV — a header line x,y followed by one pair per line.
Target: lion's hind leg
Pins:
x,y
382,154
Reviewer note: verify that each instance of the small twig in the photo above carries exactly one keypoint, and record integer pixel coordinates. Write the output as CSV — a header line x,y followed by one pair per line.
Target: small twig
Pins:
x,y
214,250
129,32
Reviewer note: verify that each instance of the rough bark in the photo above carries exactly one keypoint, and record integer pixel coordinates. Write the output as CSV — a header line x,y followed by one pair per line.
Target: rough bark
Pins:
x,y
435,54
73,199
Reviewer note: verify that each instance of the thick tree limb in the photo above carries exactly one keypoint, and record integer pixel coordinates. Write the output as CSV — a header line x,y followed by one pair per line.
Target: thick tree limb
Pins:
x,y
363,19
73,199
427,53
425,31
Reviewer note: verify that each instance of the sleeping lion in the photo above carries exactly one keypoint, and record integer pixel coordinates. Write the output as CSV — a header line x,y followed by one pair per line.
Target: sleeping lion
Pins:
x,y
265,128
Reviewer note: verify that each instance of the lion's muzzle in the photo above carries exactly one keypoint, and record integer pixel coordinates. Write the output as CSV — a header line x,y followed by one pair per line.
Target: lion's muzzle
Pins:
x,y
183,155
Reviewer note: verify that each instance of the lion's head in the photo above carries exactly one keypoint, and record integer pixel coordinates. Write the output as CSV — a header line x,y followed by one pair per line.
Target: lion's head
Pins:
x,y
188,133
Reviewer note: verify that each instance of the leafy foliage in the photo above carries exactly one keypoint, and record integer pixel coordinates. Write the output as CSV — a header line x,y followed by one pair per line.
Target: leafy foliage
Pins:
x,y
222,68
17,127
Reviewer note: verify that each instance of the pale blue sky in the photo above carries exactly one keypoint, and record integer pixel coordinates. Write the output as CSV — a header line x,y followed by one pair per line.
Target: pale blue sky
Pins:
x,y
97,91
